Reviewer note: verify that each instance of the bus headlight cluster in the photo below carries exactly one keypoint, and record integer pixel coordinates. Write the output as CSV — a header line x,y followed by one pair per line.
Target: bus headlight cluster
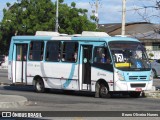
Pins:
x,y
151,77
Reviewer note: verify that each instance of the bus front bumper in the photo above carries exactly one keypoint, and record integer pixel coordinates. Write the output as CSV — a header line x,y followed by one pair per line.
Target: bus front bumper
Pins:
x,y
133,86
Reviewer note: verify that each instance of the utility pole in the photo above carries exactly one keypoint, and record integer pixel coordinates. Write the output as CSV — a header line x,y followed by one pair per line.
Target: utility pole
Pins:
x,y
123,17
57,25
95,12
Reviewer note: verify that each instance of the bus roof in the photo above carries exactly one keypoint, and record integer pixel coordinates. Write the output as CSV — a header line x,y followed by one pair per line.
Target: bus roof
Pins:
x,y
91,36
107,39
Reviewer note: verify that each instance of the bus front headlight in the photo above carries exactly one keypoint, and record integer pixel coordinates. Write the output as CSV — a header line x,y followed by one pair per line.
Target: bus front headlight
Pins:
x,y
151,77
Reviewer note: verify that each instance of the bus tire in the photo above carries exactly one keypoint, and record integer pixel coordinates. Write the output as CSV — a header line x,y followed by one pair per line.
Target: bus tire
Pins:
x,y
134,94
39,86
104,91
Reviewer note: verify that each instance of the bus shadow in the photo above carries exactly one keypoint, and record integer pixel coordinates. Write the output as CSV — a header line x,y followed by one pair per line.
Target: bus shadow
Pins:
x,y
19,88
49,91
64,92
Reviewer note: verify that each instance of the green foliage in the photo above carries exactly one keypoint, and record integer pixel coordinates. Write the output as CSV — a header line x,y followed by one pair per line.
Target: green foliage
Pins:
x,y
61,1
151,55
73,4
25,17
8,4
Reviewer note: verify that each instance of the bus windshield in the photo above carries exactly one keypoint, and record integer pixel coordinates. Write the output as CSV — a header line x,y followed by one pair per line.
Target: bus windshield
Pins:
x,y
129,56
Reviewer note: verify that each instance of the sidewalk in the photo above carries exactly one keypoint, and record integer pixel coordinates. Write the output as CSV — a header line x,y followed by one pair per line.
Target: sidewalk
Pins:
x,y
153,94
12,101
9,101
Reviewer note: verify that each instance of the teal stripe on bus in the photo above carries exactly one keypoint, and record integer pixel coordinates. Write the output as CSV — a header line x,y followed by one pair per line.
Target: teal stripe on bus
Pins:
x,y
66,84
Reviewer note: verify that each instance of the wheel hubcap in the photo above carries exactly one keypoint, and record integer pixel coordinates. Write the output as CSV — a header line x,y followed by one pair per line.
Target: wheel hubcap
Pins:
x,y
104,91
38,86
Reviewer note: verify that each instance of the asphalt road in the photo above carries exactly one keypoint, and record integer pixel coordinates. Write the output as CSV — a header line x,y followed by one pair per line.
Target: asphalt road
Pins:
x,y
62,101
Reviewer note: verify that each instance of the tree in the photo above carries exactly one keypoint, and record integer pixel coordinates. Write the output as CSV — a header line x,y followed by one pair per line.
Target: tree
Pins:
x,y
73,20
149,13
25,17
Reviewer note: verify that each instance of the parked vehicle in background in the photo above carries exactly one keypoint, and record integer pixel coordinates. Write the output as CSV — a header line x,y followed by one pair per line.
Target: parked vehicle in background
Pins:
x,y
2,59
156,68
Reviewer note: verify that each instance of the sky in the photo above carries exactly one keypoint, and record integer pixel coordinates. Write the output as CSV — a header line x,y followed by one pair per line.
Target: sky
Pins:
x,y
110,11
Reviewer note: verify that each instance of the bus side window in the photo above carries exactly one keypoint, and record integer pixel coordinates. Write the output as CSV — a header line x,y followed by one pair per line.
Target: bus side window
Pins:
x,y
18,53
36,51
101,55
25,48
21,52
30,51
70,52
53,51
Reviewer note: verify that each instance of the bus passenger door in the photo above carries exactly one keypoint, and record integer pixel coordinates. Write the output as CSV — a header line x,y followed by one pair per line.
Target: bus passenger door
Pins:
x,y
86,53
20,64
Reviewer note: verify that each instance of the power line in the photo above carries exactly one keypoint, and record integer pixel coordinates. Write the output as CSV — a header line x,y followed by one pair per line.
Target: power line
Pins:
x,y
156,6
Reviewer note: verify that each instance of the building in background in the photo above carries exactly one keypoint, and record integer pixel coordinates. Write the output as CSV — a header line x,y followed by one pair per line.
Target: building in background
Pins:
x,y
147,33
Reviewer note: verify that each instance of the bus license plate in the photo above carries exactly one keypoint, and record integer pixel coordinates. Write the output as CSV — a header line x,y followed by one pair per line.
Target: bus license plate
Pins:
x,y
138,89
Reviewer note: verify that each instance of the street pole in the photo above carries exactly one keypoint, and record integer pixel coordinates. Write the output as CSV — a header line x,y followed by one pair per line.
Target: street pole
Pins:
x,y
123,17
96,14
56,26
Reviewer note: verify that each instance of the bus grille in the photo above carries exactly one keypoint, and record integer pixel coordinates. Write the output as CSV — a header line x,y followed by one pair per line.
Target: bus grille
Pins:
x,y
137,77
138,85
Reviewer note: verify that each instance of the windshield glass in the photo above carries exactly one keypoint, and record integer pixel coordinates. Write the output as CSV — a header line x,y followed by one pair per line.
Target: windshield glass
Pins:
x,y
129,56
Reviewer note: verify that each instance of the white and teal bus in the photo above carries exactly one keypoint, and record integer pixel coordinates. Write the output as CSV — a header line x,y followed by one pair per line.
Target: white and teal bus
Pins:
x,y
91,61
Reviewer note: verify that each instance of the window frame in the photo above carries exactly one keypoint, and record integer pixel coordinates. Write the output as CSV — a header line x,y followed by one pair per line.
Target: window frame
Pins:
x,y
63,52
106,51
60,44
32,51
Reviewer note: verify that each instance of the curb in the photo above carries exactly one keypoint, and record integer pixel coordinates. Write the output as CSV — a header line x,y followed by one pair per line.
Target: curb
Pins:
x,y
3,84
152,94
12,101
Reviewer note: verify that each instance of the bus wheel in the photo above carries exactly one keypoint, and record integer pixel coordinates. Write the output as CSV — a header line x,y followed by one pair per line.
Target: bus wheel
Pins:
x,y
134,94
103,91
39,86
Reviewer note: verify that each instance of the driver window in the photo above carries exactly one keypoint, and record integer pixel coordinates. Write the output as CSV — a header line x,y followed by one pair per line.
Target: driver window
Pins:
x,y
101,55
